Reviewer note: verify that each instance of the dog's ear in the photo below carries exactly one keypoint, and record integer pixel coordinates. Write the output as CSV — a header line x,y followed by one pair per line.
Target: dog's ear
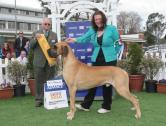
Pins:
x,y
64,51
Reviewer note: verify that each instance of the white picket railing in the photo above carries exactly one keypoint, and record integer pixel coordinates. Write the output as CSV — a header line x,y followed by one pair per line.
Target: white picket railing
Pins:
x,y
162,55
4,73
3,70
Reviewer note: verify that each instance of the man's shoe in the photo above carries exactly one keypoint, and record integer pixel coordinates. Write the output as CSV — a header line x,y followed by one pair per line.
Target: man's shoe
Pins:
x,y
102,110
38,104
78,106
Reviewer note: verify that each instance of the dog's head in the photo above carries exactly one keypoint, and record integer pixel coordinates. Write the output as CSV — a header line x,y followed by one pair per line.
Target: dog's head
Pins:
x,y
60,48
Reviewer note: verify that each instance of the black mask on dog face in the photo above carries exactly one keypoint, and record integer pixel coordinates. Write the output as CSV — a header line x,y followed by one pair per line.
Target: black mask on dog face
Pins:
x,y
52,52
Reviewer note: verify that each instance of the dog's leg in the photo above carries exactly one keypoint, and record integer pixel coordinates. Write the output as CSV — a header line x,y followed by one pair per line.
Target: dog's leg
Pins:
x,y
133,108
136,105
72,92
127,95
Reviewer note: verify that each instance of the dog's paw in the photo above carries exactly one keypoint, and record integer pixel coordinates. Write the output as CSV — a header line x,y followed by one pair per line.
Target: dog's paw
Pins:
x,y
68,113
137,116
70,116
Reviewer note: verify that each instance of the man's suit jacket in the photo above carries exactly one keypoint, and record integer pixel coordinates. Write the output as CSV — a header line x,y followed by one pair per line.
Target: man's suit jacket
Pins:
x,y
39,57
17,44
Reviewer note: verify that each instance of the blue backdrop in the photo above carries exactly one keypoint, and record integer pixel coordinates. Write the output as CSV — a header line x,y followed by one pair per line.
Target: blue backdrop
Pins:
x,y
82,51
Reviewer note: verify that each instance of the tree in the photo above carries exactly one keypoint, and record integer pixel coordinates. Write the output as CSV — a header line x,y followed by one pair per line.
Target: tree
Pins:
x,y
155,26
122,20
129,21
47,10
134,22
150,39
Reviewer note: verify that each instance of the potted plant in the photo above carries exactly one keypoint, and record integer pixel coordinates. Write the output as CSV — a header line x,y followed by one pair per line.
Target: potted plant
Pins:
x,y
17,73
123,63
31,80
161,86
134,59
151,66
6,90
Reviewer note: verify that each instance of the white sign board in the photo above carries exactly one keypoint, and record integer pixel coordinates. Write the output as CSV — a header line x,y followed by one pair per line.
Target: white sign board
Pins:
x,y
55,95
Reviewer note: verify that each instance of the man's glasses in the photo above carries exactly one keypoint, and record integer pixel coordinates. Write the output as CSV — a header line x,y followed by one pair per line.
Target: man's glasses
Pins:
x,y
47,24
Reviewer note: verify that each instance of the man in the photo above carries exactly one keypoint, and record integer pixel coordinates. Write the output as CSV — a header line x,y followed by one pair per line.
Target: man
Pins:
x,y
22,58
43,71
20,43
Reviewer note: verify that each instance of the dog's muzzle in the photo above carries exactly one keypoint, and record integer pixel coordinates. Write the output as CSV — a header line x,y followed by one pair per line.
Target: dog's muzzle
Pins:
x,y
52,53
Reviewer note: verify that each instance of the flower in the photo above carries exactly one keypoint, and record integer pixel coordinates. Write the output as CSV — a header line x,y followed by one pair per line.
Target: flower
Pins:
x,y
5,85
163,81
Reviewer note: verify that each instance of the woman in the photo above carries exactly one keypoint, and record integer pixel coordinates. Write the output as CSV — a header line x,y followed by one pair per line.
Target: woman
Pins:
x,y
106,47
6,51
0,52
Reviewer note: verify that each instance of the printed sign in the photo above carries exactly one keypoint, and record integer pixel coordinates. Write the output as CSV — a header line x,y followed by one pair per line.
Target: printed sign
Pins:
x,y
55,94
45,46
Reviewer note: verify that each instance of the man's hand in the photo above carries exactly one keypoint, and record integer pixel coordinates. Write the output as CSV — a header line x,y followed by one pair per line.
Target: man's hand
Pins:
x,y
27,44
37,36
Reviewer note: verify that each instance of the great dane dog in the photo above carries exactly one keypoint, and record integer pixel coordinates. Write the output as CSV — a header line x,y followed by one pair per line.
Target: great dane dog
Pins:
x,y
81,76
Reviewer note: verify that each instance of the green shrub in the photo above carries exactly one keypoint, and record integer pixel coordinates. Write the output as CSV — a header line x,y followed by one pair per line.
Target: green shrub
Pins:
x,y
16,72
151,66
30,64
134,58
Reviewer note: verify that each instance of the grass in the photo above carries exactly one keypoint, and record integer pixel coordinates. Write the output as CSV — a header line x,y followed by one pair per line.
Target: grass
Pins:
x,y
20,111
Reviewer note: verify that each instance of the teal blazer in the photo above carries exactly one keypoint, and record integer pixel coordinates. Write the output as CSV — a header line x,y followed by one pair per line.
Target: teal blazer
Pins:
x,y
110,42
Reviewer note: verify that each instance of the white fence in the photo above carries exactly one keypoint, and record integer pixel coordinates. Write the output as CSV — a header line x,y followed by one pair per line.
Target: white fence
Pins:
x,y
4,73
162,55
3,70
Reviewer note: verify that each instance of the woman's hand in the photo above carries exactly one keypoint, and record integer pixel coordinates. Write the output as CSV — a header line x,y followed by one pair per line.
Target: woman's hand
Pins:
x,y
70,40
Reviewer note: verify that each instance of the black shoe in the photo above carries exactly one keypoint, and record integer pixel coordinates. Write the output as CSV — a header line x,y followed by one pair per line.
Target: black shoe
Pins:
x,y
38,104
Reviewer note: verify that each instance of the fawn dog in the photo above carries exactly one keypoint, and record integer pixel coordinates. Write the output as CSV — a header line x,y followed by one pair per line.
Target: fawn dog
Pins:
x,y
81,76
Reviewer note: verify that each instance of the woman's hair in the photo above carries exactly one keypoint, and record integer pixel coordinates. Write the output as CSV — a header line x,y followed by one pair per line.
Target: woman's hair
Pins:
x,y
104,19
8,48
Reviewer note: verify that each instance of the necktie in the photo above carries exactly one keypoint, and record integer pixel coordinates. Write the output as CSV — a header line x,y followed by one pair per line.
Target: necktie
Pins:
x,y
46,34
20,42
